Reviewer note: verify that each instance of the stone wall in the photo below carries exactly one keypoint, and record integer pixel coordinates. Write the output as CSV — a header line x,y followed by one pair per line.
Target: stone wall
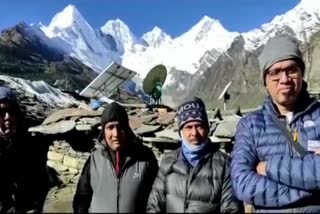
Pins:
x,y
67,162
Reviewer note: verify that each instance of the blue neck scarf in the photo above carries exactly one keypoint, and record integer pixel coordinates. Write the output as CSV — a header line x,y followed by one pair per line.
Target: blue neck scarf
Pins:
x,y
193,153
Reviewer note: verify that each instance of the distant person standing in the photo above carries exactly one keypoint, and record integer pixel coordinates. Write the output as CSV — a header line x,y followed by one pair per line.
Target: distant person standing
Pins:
x,y
195,178
23,179
95,103
118,175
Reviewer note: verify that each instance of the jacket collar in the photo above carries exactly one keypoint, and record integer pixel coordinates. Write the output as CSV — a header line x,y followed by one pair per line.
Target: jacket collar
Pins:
x,y
211,149
128,151
304,105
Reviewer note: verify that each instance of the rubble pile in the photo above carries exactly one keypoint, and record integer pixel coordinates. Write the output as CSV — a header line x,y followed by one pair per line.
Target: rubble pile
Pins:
x,y
75,132
36,100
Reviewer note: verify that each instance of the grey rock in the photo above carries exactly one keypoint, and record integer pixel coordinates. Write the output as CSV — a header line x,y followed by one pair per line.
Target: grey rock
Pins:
x,y
70,112
166,118
215,139
227,127
146,119
54,128
54,156
144,129
159,140
168,133
89,120
83,127
70,162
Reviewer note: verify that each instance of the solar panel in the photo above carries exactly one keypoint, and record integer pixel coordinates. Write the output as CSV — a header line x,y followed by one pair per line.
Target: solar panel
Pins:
x,y
114,76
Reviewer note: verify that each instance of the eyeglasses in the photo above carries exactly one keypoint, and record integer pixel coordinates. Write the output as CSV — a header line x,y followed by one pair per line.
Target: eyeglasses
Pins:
x,y
292,72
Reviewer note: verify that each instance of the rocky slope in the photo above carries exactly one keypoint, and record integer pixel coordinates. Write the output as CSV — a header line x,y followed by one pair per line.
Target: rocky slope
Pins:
x,y
26,52
241,67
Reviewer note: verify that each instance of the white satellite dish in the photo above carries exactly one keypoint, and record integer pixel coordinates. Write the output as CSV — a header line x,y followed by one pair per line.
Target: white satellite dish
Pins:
x,y
223,95
224,90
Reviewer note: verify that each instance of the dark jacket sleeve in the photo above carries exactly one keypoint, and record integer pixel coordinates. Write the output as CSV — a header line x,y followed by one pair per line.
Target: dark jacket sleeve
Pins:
x,y
298,172
156,201
229,203
32,178
151,173
248,185
83,195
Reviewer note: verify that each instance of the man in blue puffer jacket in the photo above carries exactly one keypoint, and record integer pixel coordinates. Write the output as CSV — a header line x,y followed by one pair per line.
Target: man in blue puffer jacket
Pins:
x,y
275,162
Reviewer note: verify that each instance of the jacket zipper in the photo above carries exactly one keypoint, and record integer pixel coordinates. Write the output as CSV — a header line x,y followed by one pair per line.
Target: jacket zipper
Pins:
x,y
118,185
118,194
290,145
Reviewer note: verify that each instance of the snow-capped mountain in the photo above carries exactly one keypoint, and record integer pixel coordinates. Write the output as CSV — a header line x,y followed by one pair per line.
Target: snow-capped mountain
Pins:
x,y
115,41
193,51
156,38
303,19
79,39
124,38
184,52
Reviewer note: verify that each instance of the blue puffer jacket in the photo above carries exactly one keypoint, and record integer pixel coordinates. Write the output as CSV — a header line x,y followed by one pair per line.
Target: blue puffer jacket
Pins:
x,y
292,181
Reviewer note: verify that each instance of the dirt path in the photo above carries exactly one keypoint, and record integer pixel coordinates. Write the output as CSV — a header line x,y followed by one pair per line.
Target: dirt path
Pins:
x,y
59,200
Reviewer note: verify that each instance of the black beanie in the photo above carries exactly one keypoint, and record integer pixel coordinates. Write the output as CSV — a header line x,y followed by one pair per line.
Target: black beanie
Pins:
x,y
115,112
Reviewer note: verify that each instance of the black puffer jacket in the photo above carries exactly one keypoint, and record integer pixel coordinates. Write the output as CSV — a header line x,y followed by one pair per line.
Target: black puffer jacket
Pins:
x,y
23,177
179,188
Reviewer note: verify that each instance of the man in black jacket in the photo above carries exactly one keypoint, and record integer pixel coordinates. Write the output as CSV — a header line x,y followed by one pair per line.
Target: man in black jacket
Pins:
x,y
119,175
195,177
23,177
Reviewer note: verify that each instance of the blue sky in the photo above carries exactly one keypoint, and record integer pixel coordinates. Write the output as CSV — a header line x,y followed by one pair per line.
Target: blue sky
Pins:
x,y
173,16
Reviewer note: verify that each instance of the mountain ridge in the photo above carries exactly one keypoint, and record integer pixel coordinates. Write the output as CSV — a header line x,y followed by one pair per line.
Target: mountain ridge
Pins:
x,y
194,59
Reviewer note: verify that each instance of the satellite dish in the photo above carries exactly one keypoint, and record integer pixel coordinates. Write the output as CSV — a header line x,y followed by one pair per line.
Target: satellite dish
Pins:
x,y
224,90
153,82
224,94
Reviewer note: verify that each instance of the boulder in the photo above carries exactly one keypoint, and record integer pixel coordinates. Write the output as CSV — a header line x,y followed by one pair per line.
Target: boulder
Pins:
x,y
54,128
70,112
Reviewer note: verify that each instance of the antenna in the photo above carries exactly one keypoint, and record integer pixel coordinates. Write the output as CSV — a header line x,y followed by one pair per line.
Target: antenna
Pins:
x,y
224,94
153,82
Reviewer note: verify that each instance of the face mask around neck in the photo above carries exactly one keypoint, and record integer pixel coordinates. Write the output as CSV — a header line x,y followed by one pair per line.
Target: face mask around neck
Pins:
x,y
193,147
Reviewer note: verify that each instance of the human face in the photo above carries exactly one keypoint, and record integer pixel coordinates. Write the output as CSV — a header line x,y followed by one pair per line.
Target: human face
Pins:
x,y
194,132
284,82
8,119
114,135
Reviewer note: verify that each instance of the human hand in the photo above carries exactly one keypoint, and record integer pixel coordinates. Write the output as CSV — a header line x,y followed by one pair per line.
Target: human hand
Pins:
x,y
317,151
262,168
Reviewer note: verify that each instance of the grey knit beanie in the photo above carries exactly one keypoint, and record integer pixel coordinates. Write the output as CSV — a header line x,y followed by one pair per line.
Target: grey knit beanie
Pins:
x,y
279,48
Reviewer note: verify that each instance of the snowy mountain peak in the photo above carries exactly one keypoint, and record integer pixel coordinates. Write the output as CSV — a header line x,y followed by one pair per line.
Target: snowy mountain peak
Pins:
x,y
209,24
78,38
156,31
207,29
309,5
116,23
301,21
156,37
124,38
207,19
67,17
71,10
